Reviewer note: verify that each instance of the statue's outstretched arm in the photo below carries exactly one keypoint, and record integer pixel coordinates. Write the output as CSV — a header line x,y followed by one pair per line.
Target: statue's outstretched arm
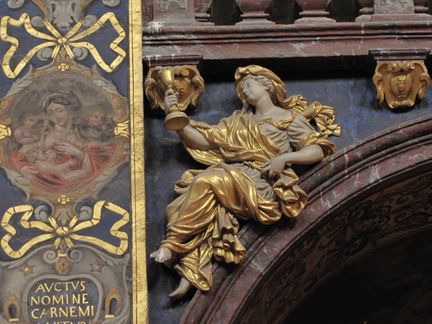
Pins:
x,y
189,135
194,139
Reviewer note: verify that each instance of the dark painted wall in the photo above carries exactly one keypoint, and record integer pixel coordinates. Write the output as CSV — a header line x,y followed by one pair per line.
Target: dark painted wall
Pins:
x,y
353,98
392,285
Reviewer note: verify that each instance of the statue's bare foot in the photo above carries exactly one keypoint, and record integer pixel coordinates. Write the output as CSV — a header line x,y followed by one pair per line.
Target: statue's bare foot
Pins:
x,y
182,289
162,255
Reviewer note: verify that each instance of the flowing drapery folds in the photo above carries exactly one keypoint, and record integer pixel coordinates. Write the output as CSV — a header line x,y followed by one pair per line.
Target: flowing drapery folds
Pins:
x,y
202,221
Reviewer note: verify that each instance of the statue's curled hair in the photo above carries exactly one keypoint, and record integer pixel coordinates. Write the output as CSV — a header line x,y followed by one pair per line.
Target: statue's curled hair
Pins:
x,y
272,83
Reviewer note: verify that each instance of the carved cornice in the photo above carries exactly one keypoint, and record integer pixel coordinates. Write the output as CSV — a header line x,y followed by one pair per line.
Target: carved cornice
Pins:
x,y
344,180
171,60
397,54
344,39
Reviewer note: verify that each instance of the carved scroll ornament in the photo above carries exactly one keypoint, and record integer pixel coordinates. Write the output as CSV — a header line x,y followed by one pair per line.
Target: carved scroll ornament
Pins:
x,y
63,14
185,81
400,83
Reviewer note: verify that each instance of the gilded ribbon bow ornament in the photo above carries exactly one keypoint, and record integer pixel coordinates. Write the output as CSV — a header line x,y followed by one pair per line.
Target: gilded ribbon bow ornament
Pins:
x,y
64,235
5,131
74,38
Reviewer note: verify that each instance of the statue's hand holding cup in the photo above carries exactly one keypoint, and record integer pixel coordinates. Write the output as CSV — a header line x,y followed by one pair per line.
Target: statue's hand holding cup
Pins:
x,y
170,101
175,118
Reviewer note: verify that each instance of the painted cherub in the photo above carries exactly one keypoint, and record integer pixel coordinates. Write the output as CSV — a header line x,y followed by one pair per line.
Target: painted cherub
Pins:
x,y
97,126
29,130
28,134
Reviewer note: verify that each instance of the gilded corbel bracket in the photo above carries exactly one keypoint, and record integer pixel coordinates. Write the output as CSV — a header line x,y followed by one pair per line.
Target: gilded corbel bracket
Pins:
x,y
401,76
184,81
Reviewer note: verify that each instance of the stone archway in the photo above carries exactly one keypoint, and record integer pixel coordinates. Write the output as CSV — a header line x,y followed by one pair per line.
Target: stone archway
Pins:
x,y
363,198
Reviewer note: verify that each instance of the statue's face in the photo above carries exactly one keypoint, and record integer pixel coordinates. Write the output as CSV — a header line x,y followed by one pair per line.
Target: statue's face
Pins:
x,y
253,90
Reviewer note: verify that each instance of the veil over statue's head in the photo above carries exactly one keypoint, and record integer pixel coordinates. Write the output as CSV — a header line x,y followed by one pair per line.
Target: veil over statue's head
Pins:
x,y
277,90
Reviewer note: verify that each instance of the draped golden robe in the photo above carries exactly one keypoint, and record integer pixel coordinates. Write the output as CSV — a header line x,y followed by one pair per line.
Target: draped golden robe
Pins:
x,y
202,221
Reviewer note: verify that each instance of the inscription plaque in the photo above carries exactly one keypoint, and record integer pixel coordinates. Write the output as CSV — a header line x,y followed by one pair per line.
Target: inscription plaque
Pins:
x,y
54,301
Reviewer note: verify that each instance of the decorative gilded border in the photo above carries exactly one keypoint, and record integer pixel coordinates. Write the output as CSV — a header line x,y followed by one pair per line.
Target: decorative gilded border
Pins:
x,y
139,275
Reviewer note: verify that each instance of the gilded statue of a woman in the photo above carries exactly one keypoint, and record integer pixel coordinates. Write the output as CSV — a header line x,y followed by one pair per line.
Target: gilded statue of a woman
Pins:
x,y
249,155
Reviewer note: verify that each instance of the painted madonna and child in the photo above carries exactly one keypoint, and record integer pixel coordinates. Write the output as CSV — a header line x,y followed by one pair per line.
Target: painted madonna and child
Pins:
x,y
59,146
249,176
